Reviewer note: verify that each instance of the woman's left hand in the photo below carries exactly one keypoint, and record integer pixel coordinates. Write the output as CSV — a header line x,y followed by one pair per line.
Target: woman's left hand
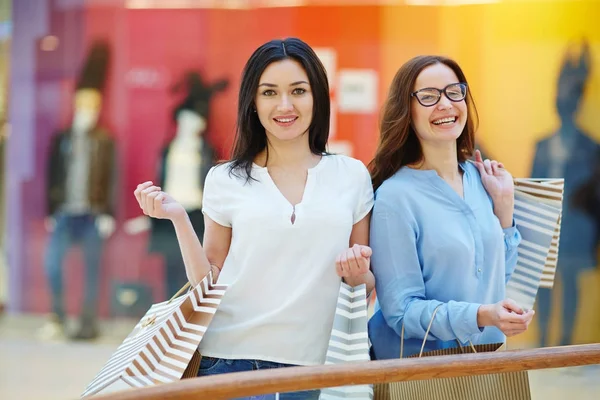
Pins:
x,y
500,186
354,262
497,181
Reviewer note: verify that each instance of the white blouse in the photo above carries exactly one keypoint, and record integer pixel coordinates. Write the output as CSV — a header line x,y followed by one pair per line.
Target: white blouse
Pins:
x,y
283,285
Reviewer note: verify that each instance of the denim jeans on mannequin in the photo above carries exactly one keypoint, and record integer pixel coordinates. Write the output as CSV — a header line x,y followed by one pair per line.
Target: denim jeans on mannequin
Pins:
x,y
68,231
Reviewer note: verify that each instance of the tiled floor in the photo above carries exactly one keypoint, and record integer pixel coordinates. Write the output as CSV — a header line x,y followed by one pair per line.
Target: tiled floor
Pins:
x,y
32,369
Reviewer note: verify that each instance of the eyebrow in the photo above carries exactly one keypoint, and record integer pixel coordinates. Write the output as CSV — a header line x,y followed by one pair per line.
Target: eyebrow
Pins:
x,y
292,84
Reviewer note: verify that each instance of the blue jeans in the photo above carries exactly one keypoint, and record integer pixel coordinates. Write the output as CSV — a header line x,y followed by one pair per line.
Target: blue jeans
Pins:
x,y
70,230
214,366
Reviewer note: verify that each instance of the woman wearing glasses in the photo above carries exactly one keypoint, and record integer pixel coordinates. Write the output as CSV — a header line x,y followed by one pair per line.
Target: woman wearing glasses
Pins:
x,y
442,233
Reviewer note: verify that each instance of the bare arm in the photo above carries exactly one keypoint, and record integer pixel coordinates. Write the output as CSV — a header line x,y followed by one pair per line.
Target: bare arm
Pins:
x,y
197,259
217,240
360,237
200,259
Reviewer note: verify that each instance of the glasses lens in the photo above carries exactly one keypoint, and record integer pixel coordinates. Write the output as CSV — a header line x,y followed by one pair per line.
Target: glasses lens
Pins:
x,y
428,97
456,92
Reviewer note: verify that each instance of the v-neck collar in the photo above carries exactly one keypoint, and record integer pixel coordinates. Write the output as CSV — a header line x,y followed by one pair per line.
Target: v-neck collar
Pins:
x,y
440,184
308,186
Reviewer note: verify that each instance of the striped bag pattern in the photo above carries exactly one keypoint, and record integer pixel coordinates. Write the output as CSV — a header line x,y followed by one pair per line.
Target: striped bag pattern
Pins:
x,y
163,344
349,340
499,386
550,192
538,207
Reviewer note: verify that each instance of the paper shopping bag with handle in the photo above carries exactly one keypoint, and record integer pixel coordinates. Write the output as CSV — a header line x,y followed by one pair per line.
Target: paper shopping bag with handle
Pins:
x,y
501,386
538,208
163,346
349,340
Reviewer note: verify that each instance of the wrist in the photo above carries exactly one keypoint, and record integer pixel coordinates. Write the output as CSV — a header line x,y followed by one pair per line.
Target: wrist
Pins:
x,y
358,279
484,316
180,217
355,280
504,210
506,220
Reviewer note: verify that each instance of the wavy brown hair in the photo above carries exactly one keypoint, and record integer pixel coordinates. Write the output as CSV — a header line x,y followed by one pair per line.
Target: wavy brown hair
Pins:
x,y
398,143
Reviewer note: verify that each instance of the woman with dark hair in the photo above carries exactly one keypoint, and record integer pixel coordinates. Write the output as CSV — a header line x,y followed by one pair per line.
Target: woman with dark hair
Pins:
x,y
442,232
284,220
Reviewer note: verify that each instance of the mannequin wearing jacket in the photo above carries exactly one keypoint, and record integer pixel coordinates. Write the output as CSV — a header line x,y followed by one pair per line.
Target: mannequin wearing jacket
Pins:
x,y
80,192
183,165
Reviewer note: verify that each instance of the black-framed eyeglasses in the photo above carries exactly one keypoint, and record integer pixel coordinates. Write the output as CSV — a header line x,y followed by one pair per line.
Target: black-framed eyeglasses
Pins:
x,y
429,97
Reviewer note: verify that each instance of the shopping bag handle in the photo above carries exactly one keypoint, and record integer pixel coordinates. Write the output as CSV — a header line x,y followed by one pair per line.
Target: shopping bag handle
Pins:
x,y
187,285
183,289
427,334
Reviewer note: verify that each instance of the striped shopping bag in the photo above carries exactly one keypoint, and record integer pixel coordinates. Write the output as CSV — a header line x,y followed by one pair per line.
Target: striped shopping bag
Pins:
x,y
494,386
163,346
349,340
538,210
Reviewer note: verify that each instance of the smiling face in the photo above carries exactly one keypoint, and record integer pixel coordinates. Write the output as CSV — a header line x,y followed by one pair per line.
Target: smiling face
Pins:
x,y
444,121
284,101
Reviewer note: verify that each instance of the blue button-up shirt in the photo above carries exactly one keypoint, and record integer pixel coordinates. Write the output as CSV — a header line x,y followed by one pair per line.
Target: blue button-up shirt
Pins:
x,y
431,247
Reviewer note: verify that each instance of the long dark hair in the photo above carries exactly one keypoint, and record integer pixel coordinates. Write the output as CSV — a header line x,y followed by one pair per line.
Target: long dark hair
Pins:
x,y
398,143
251,138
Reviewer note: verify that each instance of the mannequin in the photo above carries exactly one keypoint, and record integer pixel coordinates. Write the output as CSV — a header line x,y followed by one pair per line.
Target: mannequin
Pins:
x,y
571,154
80,195
183,166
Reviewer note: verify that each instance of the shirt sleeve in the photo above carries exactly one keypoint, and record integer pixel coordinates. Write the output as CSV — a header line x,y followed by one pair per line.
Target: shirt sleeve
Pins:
x,y
365,194
215,202
399,280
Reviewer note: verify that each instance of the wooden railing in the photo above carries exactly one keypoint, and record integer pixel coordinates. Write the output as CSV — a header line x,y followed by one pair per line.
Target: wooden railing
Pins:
x,y
241,384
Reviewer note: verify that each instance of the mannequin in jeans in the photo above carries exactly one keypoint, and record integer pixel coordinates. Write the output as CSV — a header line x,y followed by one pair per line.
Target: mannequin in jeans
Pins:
x,y
80,190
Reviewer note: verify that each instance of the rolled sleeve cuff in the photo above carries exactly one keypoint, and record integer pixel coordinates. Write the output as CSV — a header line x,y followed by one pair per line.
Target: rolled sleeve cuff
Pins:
x,y
512,237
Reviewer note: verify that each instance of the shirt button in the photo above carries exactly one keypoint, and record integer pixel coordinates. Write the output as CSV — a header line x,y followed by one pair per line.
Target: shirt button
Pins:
x,y
478,269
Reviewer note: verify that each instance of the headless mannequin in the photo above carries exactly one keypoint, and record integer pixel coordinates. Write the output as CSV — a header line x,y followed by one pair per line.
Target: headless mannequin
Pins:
x,y
79,212
185,163
570,154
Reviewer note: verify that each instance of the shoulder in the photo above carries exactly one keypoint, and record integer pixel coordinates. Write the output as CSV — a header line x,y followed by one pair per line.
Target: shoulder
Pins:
x,y
544,142
588,142
398,189
221,170
583,135
402,179
221,174
227,173
470,168
472,172
347,163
